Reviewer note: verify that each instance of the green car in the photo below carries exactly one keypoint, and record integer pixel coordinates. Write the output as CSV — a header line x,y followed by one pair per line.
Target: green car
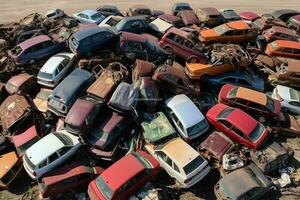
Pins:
x,y
156,128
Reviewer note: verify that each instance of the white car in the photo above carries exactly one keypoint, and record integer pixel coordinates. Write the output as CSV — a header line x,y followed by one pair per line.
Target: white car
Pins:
x,y
54,14
180,161
55,69
160,26
49,152
89,16
288,97
187,118
110,21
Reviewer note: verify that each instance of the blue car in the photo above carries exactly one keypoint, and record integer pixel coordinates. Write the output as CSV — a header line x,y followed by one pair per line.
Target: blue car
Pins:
x,y
89,16
89,40
241,78
135,24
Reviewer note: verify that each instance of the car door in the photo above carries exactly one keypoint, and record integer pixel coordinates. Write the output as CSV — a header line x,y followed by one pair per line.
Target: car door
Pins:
x,y
177,123
165,162
47,49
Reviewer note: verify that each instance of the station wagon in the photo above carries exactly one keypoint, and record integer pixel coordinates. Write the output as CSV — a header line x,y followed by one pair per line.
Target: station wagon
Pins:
x,y
284,48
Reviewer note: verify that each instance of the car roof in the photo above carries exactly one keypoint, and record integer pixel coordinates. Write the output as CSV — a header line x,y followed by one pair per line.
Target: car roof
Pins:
x,y
249,15
180,151
178,32
288,44
42,149
211,11
284,92
7,160
251,95
70,85
283,30
88,12
170,18
19,79
185,110
116,178
88,31
51,64
139,6
240,25
33,41
126,36
25,136
79,111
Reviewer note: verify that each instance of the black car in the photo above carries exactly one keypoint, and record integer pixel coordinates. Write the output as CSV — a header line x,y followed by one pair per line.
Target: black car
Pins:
x,y
108,10
142,48
136,24
67,92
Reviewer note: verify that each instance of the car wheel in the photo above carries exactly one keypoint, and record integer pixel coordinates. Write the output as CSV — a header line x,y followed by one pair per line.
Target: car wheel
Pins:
x,y
194,60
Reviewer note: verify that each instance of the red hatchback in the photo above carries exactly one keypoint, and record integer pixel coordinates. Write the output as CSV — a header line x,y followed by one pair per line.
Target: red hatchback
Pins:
x,y
179,43
66,178
237,125
124,177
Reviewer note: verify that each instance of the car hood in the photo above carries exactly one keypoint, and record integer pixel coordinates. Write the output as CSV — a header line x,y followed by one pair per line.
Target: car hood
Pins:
x,y
194,67
209,33
40,104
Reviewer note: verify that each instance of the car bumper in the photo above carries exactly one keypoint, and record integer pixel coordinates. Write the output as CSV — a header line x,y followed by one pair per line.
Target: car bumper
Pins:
x,y
29,171
197,178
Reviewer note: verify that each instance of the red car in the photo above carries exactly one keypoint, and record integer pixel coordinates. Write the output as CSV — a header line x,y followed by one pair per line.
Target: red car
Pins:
x,y
124,177
249,16
280,33
179,43
255,102
66,178
237,125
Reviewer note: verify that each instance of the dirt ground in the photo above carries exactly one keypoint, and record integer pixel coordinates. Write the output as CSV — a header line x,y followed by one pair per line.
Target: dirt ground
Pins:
x,y
11,10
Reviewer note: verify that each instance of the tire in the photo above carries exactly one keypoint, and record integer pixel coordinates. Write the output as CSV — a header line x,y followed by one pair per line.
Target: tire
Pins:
x,y
194,60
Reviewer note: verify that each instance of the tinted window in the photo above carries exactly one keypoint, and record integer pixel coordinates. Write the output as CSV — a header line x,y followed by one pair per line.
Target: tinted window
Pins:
x,y
53,157
238,132
134,46
43,164
175,167
225,123
171,36
256,133
188,44
194,164
63,151
225,113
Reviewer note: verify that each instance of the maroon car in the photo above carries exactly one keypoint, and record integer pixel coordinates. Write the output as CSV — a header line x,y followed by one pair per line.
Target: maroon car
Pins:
x,y
179,43
82,115
69,177
280,33
22,83
249,16
188,17
105,136
175,80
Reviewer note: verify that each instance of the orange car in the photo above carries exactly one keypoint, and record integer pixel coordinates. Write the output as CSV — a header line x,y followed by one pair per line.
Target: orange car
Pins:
x,y
234,32
217,67
284,48
10,167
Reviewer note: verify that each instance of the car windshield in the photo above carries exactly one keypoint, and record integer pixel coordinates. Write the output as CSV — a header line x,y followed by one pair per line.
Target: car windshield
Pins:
x,y
104,188
193,130
221,29
194,164
232,92
120,25
150,45
112,21
274,45
294,94
97,135
142,160
256,133
225,113
66,140
96,16
270,104
51,15
45,75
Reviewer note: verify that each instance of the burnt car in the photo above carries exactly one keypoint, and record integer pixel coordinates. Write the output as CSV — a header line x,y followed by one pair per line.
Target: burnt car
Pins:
x,y
108,10
125,97
10,169
82,115
105,136
22,83
175,80
149,94
66,93
280,33
67,178
271,158
188,17
179,7
245,183
284,14
209,17
216,145
14,111
288,74
107,81
142,68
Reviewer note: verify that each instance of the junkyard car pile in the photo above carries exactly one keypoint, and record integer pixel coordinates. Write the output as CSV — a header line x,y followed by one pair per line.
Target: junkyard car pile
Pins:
x,y
102,102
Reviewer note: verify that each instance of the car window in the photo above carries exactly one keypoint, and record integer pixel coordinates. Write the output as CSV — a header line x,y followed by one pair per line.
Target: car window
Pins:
x,y
83,15
229,33
171,36
53,157
188,44
174,116
238,132
238,32
56,72
60,67
296,51
179,40
286,50
65,62
175,167
295,103
241,101
136,24
44,163
63,151
225,123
